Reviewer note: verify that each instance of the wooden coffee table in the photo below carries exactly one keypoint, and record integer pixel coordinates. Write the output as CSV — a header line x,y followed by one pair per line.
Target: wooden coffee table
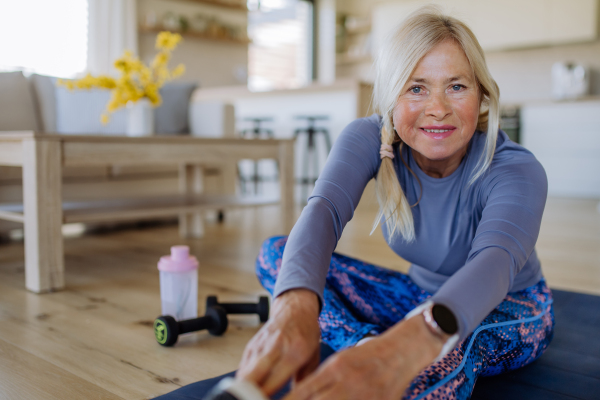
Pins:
x,y
43,156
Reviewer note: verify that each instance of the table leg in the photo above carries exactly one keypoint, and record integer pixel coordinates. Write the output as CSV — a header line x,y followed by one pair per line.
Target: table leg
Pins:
x,y
229,178
286,182
191,181
42,203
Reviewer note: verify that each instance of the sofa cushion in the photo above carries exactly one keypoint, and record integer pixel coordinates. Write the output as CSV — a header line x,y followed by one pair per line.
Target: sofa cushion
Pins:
x,y
78,112
17,108
171,117
45,97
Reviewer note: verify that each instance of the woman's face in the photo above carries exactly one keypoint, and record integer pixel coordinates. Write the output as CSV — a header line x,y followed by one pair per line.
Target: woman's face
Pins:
x,y
436,113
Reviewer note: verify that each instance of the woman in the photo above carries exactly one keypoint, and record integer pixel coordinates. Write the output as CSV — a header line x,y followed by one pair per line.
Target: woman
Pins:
x,y
457,199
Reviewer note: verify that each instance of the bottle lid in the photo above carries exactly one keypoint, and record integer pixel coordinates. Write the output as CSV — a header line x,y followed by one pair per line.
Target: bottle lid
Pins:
x,y
179,260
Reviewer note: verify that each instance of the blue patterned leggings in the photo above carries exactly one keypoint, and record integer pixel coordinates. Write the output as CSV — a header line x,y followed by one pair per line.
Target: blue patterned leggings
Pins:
x,y
361,298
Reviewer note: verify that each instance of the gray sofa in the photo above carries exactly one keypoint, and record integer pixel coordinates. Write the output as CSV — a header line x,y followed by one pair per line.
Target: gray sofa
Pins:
x,y
36,103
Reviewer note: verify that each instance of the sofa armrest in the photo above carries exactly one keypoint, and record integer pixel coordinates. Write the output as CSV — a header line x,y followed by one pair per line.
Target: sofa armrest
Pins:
x,y
212,119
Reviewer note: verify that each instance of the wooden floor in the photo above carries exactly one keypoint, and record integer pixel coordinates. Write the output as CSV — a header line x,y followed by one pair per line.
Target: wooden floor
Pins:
x,y
94,340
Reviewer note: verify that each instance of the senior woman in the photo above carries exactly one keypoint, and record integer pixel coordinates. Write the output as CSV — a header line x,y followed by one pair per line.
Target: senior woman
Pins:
x,y
458,199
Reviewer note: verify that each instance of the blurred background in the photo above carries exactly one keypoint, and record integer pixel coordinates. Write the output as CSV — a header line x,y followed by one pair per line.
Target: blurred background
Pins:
x,y
278,44
281,68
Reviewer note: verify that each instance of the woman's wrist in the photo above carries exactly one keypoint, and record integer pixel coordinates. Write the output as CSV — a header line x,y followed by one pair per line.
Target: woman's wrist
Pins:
x,y
413,344
297,301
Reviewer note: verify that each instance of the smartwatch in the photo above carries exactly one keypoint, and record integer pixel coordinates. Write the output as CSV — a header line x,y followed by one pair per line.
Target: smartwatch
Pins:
x,y
441,322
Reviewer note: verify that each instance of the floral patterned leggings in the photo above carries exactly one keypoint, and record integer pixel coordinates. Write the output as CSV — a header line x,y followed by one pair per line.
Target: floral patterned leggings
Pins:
x,y
361,298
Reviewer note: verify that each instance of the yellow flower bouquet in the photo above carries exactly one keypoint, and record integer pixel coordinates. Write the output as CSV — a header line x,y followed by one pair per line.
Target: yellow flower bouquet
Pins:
x,y
136,80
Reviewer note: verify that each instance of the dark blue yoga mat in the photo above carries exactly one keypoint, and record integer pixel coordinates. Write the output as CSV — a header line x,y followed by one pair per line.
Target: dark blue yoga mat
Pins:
x,y
569,369
196,391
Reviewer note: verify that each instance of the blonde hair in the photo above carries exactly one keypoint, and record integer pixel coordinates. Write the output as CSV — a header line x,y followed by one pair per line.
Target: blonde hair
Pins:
x,y
397,60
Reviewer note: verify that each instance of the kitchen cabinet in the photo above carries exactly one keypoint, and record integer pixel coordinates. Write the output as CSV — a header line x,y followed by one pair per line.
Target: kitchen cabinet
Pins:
x,y
565,138
506,24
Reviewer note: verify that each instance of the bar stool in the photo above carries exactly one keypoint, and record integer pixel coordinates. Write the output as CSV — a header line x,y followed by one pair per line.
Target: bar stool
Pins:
x,y
256,132
311,131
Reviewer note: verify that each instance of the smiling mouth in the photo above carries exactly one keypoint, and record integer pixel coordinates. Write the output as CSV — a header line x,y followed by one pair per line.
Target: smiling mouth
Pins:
x,y
439,133
437,130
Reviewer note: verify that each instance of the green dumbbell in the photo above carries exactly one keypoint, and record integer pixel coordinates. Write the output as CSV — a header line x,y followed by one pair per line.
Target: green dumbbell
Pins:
x,y
167,329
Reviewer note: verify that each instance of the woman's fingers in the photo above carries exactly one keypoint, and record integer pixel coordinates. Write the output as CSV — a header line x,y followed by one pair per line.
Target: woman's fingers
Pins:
x,y
310,367
272,369
258,365
285,344
314,385
280,374
295,355
334,392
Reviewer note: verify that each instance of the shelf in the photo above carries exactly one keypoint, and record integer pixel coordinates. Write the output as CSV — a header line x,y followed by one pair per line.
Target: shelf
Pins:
x,y
192,34
142,208
217,3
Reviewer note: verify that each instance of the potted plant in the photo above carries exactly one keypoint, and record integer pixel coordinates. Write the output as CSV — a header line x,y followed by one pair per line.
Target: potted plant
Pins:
x,y
137,85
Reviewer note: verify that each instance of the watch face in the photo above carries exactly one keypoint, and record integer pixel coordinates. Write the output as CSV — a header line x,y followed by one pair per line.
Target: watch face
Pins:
x,y
445,319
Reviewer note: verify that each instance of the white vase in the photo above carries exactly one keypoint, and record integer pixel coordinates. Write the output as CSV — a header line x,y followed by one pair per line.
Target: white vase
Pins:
x,y
140,118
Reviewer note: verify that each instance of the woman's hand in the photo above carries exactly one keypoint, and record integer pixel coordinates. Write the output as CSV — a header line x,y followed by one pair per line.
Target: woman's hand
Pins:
x,y
287,346
381,368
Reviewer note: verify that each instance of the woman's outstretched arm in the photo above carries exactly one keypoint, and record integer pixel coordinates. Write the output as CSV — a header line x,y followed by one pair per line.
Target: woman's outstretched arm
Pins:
x,y
513,197
288,345
352,163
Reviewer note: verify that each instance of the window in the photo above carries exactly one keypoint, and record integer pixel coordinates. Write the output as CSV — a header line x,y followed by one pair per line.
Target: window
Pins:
x,y
45,37
280,55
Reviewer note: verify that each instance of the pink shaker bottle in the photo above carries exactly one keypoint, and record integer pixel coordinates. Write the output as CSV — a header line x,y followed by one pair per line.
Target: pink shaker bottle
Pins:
x,y
179,284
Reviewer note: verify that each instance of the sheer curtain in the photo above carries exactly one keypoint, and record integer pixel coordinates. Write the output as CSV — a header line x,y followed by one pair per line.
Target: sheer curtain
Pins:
x,y
112,29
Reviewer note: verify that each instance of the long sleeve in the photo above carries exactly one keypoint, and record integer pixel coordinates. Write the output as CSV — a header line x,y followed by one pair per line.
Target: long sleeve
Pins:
x,y
352,163
514,197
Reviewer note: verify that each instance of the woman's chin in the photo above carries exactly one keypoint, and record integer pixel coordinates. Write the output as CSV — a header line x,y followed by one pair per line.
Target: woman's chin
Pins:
x,y
437,155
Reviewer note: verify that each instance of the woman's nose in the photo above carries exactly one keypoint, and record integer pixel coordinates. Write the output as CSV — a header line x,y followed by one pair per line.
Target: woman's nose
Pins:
x,y
438,106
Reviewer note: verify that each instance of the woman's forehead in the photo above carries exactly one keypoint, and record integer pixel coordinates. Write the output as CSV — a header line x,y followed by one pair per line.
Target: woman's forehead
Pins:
x,y
446,62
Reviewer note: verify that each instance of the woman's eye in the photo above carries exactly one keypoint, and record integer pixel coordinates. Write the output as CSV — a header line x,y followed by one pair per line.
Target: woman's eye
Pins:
x,y
456,88
416,90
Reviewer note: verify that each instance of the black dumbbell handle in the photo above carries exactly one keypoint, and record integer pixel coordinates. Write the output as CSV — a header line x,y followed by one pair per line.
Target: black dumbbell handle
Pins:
x,y
239,308
196,324
261,308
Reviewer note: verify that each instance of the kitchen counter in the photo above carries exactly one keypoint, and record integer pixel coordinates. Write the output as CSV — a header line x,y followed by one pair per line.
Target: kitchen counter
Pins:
x,y
342,102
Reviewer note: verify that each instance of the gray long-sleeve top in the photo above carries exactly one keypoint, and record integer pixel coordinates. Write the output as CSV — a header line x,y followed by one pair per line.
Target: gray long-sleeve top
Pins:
x,y
474,243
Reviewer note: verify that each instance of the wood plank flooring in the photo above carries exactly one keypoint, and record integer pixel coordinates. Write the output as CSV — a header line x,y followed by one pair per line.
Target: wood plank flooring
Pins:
x,y
94,340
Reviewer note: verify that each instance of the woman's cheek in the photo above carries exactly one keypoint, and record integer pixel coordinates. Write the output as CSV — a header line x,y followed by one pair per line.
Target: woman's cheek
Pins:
x,y
406,115
469,108
413,107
